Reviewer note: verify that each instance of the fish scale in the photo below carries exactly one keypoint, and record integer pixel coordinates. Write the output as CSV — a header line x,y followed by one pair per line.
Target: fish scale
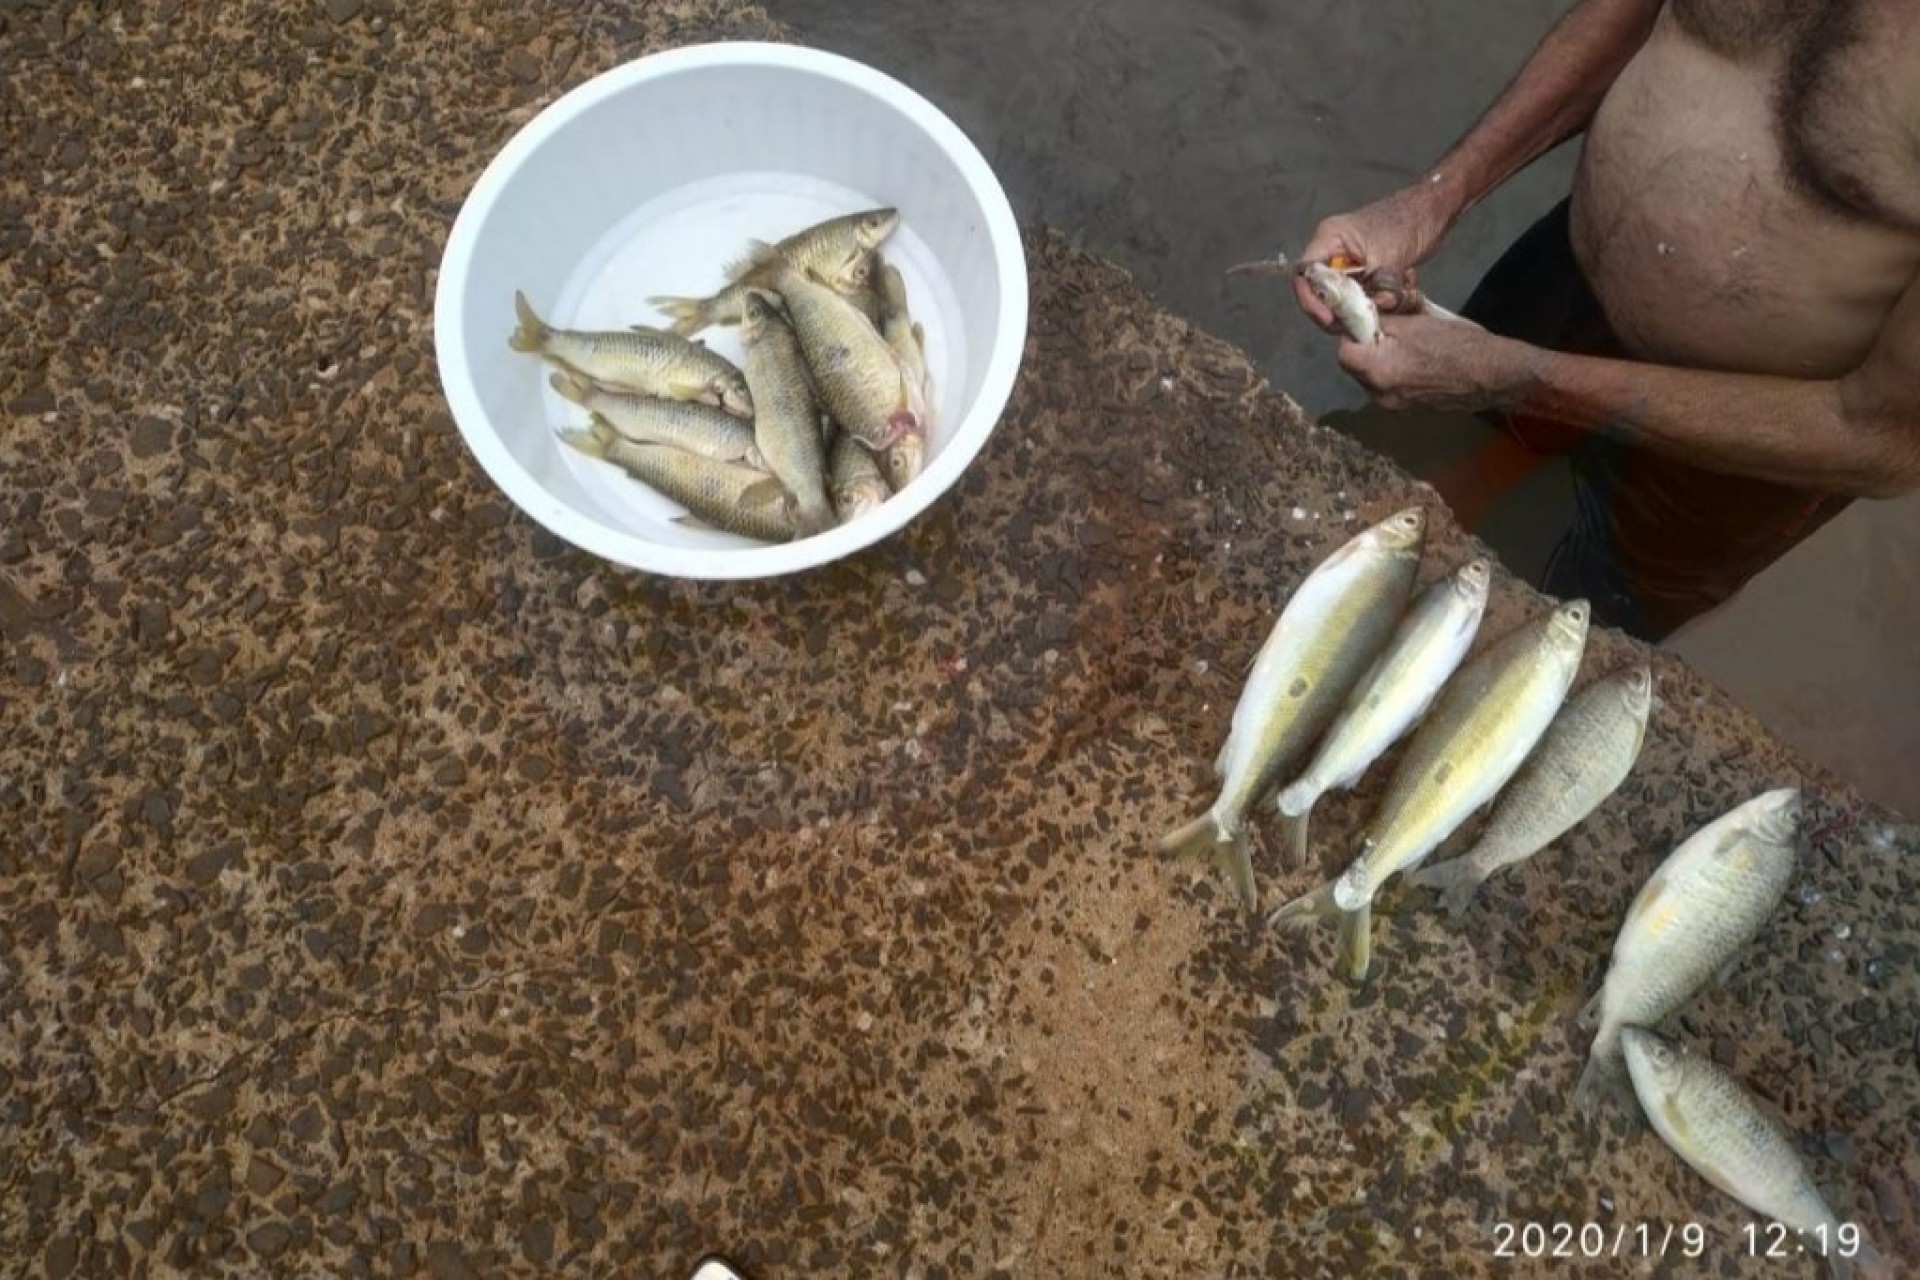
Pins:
x,y
1709,899
1585,756
786,421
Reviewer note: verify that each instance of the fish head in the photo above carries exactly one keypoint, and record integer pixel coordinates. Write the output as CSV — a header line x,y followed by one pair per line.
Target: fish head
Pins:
x,y
1568,625
858,498
1652,1060
875,225
1775,816
1474,580
905,459
760,309
1403,530
1636,689
731,391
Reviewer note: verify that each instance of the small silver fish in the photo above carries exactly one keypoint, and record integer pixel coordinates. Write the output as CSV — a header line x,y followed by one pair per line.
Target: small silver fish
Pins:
x,y
1738,1143
1429,643
786,420
646,361
685,424
720,495
858,486
837,250
1347,298
1584,757
1331,631
1709,899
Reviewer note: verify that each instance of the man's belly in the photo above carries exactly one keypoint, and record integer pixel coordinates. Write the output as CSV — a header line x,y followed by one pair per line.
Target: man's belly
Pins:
x,y
1685,225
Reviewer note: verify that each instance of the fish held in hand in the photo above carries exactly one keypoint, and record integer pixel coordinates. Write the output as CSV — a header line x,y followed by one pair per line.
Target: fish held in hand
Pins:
x,y
692,425
1481,729
786,421
641,360
1332,629
720,495
1585,756
1707,901
1738,1143
837,250
1347,299
1428,644
859,378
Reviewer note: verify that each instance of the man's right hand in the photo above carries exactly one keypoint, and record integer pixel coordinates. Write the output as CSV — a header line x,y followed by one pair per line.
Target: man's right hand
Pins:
x,y
1396,233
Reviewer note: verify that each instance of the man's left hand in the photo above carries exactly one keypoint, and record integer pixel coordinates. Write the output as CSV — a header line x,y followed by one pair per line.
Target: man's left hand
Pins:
x,y
1424,361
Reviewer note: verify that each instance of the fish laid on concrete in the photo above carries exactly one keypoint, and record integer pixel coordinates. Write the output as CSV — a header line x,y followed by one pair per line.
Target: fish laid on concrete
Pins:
x,y
1335,626
837,251
786,421
722,495
1738,1143
1486,722
700,428
1709,899
644,361
1429,643
1584,757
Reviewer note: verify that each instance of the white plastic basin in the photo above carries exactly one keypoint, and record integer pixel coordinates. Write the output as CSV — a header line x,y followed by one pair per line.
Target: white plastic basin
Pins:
x,y
647,180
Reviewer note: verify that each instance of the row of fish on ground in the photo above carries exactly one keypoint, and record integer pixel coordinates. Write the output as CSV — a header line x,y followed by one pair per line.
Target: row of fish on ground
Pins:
x,y
1357,661
826,421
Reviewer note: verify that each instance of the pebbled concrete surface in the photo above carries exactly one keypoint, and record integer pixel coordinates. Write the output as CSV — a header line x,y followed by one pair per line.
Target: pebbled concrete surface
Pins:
x,y
386,888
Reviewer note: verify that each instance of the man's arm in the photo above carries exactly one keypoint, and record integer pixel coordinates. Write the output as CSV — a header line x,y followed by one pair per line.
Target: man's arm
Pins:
x,y
1552,98
1857,435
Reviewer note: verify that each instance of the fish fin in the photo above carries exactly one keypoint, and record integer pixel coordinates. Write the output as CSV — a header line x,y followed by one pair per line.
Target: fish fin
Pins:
x,y
1589,1016
1456,881
532,333
1317,905
585,440
571,386
1604,1079
759,254
1356,942
1724,974
763,492
1294,827
691,388
1202,838
689,315
691,521
920,337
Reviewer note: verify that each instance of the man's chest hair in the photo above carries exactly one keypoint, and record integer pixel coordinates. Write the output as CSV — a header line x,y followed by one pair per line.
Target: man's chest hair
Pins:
x,y
1846,94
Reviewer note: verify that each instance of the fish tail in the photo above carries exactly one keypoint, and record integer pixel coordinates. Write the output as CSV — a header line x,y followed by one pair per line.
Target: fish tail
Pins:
x,y
1356,942
571,386
1317,905
690,315
1203,838
1456,881
533,331
591,441
1603,1077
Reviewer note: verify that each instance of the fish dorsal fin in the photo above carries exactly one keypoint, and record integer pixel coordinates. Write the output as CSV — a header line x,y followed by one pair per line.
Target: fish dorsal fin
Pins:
x,y
759,254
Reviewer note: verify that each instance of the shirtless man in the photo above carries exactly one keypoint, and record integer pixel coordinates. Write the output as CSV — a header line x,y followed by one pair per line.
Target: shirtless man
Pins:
x,y
1720,327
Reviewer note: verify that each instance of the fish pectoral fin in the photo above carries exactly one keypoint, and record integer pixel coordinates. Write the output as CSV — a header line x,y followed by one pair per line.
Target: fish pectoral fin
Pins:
x,y
763,493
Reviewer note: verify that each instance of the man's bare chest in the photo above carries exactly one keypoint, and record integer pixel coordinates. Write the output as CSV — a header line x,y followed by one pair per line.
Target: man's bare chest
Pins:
x,y
1844,91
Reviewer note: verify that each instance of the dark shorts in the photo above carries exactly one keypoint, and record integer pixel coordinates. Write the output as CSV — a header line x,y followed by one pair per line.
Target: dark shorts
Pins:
x,y
1653,542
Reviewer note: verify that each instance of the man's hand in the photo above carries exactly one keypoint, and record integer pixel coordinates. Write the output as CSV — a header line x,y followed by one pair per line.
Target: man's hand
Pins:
x,y
1396,233
1429,362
